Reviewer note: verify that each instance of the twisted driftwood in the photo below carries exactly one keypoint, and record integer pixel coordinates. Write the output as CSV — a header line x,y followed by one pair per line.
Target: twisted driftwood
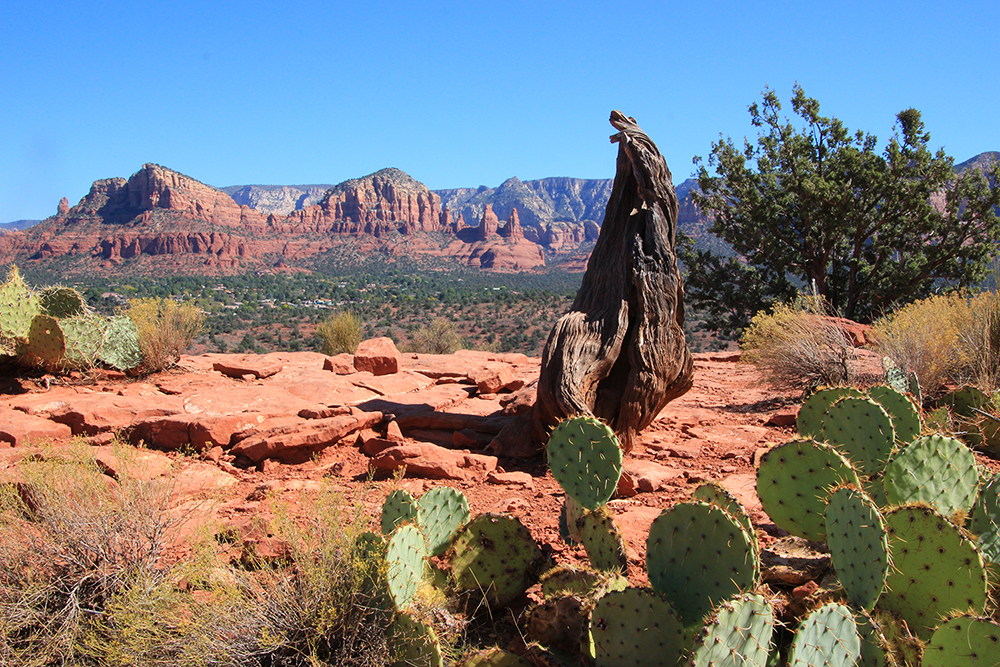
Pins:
x,y
620,354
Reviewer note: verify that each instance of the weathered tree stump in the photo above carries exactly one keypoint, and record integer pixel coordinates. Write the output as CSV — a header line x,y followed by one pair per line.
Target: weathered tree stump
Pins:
x,y
620,354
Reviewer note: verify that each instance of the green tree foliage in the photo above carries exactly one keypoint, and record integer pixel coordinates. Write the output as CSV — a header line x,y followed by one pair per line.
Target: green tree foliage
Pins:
x,y
821,207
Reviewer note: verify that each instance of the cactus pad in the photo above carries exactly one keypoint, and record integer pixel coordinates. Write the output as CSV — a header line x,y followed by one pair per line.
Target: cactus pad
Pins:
x,y
936,470
18,306
964,641
440,513
84,337
935,569
414,643
586,459
45,340
603,542
495,555
827,636
904,413
809,423
718,495
862,430
859,546
697,556
794,480
121,344
399,507
985,520
635,628
739,635
496,657
404,559
61,302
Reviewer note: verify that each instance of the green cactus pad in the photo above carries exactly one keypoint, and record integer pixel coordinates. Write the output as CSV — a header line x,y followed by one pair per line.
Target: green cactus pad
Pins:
x,y
967,405
404,560
793,482
18,306
567,580
496,657
84,337
985,520
718,495
859,546
964,641
603,542
862,430
121,344
586,459
697,556
827,636
936,470
809,423
738,635
61,302
989,434
414,643
636,628
440,513
569,521
496,556
905,414
935,569
45,340
399,507
875,650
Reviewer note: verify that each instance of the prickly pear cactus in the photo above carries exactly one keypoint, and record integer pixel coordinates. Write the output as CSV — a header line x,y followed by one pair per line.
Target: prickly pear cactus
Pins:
x,y
61,302
718,495
936,470
84,337
586,459
964,641
827,636
604,544
46,341
738,635
569,521
859,546
398,508
566,580
862,430
794,480
18,307
967,405
989,434
697,556
495,556
636,628
404,559
414,643
810,420
985,520
935,569
905,414
121,344
875,648
440,513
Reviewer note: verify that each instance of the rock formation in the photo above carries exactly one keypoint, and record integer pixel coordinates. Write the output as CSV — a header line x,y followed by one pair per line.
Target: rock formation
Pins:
x,y
620,354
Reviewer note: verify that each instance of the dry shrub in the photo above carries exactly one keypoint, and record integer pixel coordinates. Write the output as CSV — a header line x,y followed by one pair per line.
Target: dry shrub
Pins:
x,y
165,328
440,337
339,333
794,346
949,338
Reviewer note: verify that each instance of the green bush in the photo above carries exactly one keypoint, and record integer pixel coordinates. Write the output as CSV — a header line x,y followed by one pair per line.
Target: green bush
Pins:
x,y
439,337
165,328
339,333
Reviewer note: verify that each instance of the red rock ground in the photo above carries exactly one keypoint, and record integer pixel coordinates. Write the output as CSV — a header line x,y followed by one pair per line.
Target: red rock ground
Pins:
x,y
246,429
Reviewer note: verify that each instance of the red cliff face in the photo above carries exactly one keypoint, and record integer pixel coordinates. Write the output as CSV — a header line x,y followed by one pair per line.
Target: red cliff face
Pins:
x,y
178,224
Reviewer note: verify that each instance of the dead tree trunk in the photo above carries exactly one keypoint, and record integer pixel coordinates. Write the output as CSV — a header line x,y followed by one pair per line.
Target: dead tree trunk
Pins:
x,y
620,354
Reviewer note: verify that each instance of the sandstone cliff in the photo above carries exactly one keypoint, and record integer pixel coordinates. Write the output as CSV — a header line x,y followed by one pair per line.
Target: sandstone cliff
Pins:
x,y
277,199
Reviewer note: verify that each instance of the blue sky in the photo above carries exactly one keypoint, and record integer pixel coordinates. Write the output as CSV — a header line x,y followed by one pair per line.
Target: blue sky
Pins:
x,y
455,94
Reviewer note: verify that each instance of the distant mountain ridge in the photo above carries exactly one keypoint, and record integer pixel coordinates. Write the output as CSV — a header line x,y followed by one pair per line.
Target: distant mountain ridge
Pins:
x,y
17,225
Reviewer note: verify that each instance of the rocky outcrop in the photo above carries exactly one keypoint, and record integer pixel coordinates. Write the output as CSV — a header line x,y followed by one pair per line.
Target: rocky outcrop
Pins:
x,y
278,199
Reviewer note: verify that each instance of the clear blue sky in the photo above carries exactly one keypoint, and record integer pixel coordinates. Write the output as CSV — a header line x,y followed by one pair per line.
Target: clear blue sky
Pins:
x,y
456,94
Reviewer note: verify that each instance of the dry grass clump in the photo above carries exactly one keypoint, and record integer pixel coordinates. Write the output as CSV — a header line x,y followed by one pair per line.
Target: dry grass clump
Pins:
x,y
949,338
339,333
439,337
84,580
165,329
794,346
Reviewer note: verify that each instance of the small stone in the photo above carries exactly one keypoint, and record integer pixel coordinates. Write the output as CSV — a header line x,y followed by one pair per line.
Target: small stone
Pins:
x,y
511,479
